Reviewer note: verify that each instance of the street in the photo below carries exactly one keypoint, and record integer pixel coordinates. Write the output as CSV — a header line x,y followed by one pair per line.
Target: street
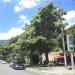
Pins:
x,y
6,70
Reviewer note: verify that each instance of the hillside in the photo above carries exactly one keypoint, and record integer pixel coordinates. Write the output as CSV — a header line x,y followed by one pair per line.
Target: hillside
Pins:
x,y
2,42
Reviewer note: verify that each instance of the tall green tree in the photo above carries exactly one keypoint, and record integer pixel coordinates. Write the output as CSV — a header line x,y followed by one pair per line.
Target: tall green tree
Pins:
x,y
40,35
48,25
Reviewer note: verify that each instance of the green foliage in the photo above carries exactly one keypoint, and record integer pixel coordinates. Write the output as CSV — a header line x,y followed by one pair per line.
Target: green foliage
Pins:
x,y
39,36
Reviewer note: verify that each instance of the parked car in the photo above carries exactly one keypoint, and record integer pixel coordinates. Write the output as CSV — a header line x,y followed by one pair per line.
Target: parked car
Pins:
x,y
12,63
18,66
2,61
58,64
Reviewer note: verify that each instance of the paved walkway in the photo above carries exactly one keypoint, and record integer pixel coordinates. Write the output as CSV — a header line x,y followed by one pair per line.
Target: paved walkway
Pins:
x,y
56,71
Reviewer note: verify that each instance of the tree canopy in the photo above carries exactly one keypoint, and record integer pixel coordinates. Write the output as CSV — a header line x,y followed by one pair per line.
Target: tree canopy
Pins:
x,y
40,35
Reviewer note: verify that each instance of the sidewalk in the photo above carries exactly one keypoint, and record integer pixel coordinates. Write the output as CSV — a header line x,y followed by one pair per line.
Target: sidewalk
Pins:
x,y
60,71
54,71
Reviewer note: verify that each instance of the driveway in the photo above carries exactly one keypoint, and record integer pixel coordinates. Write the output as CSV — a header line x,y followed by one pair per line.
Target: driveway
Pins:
x,y
6,70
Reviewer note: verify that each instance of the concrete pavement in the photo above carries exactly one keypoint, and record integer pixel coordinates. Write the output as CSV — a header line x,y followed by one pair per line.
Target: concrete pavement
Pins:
x,y
55,71
6,70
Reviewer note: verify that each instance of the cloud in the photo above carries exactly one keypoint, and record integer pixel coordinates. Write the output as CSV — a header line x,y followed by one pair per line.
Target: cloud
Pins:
x,y
23,19
17,9
22,4
15,31
70,17
28,3
11,33
6,1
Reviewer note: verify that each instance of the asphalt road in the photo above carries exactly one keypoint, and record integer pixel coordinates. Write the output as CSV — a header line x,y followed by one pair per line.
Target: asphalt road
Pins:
x,y
6,70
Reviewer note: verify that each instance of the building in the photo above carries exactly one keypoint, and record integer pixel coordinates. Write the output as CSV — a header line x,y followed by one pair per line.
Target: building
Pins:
x,y
57,57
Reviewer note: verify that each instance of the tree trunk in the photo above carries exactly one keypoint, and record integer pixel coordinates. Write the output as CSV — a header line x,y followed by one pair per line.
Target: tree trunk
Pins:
x,y
47,60
40,59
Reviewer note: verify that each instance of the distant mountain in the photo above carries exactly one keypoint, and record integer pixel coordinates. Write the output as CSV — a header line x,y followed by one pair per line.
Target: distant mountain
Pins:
x,y
3,42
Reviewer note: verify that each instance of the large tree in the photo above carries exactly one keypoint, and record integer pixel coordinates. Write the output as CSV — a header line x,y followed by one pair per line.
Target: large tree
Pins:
x,y
40,35
44,27
48,25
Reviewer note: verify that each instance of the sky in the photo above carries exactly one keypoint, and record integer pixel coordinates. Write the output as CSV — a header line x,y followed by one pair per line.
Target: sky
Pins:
x,y
14,14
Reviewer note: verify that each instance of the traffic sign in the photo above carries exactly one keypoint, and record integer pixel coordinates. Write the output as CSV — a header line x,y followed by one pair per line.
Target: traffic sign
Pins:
x,y
70,44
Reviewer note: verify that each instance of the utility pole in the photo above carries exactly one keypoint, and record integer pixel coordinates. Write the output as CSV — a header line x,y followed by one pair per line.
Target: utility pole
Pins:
x,y
72,60
63,43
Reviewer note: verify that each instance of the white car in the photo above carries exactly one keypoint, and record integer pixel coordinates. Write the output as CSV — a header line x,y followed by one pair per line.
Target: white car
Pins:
x,y
2,61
